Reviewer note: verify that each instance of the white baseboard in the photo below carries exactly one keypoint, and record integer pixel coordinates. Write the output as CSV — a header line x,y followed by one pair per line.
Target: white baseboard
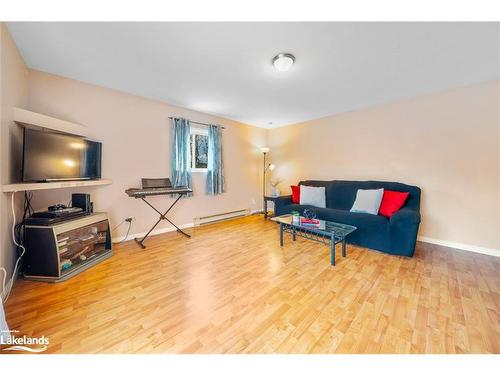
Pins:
x,y
131,236
461,246
223,216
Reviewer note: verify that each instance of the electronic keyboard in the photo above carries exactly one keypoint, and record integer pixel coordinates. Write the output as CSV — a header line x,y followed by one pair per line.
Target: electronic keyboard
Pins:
x,y
148,192
158,186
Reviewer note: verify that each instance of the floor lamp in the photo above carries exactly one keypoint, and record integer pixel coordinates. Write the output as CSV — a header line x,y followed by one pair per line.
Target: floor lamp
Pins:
x,y
267,167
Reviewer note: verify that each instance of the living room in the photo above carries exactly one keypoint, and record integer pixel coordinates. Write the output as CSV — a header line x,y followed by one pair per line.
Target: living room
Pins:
x,y
255,187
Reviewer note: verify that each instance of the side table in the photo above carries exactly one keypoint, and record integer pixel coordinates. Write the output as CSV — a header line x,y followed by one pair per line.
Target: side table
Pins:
x,y
268,198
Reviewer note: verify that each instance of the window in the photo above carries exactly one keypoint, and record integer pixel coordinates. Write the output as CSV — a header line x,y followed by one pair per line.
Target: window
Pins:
x,y
198,142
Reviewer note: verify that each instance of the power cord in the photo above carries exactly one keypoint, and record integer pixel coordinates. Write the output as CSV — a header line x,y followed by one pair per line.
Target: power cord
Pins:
x,y
129,221
128,231
27,211
8,287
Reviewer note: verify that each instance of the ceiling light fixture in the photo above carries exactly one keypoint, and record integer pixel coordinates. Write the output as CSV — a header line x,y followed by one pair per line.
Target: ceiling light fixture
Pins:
x,y
283,61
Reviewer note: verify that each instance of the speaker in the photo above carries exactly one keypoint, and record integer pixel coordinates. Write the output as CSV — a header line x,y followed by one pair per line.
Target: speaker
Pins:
x,y
82,201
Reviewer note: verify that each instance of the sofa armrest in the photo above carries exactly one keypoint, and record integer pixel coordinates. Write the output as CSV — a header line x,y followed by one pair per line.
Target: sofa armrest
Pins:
x,y
405,215
403,231
281,202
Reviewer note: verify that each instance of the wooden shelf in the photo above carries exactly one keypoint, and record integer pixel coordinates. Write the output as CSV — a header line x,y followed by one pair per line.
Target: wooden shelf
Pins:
x,y
53,185
27,118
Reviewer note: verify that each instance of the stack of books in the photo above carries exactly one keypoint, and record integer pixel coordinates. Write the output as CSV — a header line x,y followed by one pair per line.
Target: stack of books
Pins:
x,y
309,222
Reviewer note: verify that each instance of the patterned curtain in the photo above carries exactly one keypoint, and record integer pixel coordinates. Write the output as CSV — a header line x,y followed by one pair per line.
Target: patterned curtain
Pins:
x,y
181,157
215,168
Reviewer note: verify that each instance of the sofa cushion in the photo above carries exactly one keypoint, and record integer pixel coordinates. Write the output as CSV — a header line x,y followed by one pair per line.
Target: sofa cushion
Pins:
x,y
342,216
295,194
392,201
351,218
314,196
368,201
326,184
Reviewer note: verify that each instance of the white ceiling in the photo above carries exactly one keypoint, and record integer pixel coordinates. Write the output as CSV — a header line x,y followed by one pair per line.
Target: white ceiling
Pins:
x,y
225,68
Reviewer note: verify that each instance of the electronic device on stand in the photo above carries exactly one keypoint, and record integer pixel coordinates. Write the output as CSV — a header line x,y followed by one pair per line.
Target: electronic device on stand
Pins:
x,y
61,250
158,186
51,217
81,205
82,201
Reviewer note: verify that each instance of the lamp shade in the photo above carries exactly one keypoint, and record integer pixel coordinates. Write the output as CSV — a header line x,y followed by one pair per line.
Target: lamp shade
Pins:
x,y
271,167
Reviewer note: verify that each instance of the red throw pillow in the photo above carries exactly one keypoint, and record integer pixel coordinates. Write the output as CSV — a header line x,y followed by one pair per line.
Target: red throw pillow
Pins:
x,y
295,194
392,201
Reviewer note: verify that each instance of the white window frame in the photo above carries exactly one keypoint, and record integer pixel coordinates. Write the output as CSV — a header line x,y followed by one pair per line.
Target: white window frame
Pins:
x,y
196,131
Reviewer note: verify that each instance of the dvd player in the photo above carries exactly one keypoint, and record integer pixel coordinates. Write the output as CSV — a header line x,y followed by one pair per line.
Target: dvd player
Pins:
x,y
62,212
54,216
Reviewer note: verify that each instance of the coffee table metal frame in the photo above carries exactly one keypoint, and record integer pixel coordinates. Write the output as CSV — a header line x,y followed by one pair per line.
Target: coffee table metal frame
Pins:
x,y
330,233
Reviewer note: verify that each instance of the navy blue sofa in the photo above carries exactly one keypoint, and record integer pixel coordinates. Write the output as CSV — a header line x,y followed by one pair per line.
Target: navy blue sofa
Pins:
x,y
394,235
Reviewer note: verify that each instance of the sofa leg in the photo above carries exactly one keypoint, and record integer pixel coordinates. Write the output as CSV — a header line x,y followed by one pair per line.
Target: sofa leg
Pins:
x,y
343,248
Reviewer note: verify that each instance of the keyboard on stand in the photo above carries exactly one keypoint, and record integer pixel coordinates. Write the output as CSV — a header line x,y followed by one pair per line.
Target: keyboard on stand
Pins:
x,y
158,186
140,193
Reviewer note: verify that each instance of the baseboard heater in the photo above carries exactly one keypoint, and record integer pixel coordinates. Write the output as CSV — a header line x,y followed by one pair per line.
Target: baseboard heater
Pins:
x,y
220,217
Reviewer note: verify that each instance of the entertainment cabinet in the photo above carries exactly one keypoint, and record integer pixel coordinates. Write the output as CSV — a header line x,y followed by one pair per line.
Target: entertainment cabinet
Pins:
x,y
57,252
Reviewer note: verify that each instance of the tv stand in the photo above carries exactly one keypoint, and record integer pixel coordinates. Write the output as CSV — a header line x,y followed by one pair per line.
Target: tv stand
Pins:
x,y
57,252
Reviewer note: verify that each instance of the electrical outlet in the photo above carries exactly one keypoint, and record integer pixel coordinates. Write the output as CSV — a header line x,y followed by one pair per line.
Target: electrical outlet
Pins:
x,y
253,200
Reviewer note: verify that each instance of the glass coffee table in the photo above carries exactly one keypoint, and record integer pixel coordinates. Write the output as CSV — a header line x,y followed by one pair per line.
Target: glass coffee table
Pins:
x,y
327,232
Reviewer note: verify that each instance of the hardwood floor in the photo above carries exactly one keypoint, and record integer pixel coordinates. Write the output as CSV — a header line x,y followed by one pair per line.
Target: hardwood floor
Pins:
x,y
232,289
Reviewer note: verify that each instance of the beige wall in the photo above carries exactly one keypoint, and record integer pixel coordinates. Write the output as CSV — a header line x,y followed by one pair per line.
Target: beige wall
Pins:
x,y
13,92
135,133
447,143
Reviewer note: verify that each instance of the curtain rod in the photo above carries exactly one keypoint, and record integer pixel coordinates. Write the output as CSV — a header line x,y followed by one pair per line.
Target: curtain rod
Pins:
x,y
198,123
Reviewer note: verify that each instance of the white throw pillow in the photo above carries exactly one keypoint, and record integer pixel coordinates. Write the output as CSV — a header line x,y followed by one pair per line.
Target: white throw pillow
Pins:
x,y
368,201
313,196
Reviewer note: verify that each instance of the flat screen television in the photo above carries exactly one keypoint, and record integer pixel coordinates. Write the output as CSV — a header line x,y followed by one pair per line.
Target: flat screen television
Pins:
x,y
51,156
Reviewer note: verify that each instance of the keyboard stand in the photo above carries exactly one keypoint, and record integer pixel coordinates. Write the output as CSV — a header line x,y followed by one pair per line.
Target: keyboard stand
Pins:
x,y
162,217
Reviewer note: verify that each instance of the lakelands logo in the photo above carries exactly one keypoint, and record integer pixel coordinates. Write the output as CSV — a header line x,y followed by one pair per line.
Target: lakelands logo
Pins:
x,y
22,343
